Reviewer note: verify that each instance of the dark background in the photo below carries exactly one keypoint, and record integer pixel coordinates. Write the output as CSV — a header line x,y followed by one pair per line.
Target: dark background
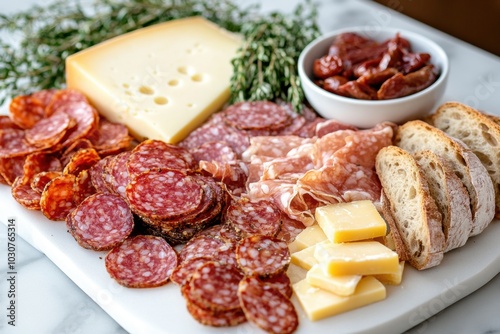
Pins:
x,y
474,21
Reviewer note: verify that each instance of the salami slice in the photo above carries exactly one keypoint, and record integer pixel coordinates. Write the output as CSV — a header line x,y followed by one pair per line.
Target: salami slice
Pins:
x,y
262,256
119,178
57,197
97,174
155,154
202,246
110,138
44,96
25,111
25,195
164,194
215,287
12,144
73,148
254,218
83,187
49,131
40,162
101,222
81,160
258,115
7,123
281,282
290,228
217,151
141,262
183,272
62,97
86,118
267,307
11,168
216,319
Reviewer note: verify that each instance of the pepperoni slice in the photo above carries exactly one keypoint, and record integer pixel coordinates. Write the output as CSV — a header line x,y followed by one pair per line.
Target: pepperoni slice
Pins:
x,y
164,194
26,110
73,148
83,187
254,218
97,174
44,96
154,154
110,138
57,197
101,222
62,97
25,195
258,115
215,287
40,180
40,162
11,168
141,262
49,131
267,307
82,160
7,123
262,256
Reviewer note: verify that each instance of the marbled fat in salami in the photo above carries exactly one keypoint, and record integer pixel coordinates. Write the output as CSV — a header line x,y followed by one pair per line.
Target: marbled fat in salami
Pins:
x,y
183,272
262,256
141,262
101,222
49,131
57,197
267,307
164,194
258,115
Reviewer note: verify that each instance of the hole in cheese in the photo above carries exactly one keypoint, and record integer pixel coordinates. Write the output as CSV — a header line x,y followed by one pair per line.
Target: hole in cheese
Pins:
x,y
173,82
146,90
198,77
161,100
185,70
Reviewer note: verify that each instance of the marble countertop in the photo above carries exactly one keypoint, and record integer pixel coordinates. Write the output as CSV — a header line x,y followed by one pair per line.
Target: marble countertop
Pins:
x,y
49,302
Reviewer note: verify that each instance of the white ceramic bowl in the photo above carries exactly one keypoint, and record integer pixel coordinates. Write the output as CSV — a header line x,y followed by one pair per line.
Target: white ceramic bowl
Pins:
x,y
367,113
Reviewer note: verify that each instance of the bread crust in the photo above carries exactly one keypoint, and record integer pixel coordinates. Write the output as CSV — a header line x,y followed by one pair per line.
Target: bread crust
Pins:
x,y
414,211
417,135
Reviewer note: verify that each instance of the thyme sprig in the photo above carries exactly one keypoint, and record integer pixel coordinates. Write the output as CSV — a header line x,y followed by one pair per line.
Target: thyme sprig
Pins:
x,y
264,69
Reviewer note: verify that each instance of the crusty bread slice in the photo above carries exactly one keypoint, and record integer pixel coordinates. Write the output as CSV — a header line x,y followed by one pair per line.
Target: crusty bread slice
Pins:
x,y
417,136
452,199
393,239
417,217
481,133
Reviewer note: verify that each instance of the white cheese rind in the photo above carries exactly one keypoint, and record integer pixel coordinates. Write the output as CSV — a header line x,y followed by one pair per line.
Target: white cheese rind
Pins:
x,y
161,81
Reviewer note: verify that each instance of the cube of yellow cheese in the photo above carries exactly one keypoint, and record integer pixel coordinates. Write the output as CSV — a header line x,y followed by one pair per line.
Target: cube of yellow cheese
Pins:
x,y
318,303
344,285
162,81
357,258
310,236
358,220
394,278
306,258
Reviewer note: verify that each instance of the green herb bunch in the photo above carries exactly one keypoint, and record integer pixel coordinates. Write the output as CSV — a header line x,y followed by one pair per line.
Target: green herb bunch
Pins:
x,y
51,33
266,65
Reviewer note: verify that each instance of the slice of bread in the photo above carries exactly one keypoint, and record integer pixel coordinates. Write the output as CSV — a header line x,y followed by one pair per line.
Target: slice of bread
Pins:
x,y
481,133
417,135
452,199
393,239
416,215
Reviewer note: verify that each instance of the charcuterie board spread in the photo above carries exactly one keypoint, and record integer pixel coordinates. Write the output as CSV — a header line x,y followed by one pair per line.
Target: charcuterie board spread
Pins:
x,y
153,176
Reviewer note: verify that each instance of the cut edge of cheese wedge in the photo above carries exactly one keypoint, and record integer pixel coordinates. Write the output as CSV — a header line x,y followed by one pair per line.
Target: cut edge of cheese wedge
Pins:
x,y
310,236
341,285
161,81
394,278
357,258
352,221
318,303
306,258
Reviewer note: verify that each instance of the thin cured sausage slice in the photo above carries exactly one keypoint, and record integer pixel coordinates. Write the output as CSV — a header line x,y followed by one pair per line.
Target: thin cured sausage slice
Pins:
x,y
25,195
216,319
262,256
110,138
40,162
101,222
97,175
81,160
258,115
119,178
202,246
83,187
57,198
267,307
141,262
86,118
183,272
155,154
164,194
13,144
40,180
49,131
281,282
218,151
254,218
61,98
11,168
215,287
26,110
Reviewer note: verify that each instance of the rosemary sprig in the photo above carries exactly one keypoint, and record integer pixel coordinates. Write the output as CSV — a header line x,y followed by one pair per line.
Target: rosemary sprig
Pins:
x,y
266,65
